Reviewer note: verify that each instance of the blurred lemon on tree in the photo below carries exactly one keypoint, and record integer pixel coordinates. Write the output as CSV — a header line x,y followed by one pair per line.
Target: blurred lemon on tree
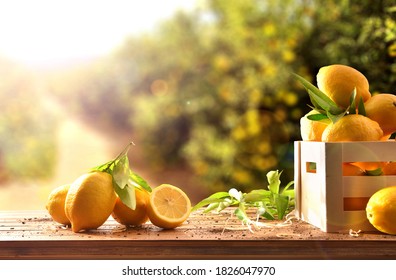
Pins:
x,y
169,206
134,217
56,204
90,200
352,127
381,210
338,82
382,109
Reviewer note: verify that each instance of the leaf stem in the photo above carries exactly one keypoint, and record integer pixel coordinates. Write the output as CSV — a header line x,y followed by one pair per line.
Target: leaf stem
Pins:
x,y
125,151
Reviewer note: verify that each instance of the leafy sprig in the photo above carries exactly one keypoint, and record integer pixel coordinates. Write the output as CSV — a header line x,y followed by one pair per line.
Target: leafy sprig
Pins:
x,y
272,203
124,179
326,107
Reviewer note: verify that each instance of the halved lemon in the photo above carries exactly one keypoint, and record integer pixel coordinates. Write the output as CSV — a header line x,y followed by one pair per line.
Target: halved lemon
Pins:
x,y
169,206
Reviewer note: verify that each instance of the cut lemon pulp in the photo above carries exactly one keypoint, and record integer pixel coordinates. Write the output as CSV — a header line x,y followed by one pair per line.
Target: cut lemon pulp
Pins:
x,y
169,206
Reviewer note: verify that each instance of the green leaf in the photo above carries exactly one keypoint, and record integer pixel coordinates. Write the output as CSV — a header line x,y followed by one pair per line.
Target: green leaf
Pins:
x,y
319,99
317,117
234,193
138,180
274,181
105,167
211,207
289,193
216,197
240,213
121,172
361,108
286,188
124,180
269,203
374,172
267,215
335,118
127,195
282,203
256,195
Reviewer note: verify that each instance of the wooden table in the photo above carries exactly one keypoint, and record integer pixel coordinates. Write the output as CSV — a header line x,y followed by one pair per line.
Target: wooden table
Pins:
x,y
34,235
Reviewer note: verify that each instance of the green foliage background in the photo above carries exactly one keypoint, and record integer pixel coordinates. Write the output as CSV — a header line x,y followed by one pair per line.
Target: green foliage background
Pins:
x,y
27,140
211,90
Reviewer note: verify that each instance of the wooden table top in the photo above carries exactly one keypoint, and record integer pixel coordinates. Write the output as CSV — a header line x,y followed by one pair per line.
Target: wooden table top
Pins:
x,y
34,235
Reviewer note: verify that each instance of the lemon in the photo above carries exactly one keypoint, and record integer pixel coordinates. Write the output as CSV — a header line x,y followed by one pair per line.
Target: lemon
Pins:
x,y
312,130
370,165
381,210
352,127
56,204
169,206
90,201
126,216
389,168
338,81
349,169
382,109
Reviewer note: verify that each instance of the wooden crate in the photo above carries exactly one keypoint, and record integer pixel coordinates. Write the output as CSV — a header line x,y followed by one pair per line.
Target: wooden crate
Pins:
x,y
322,193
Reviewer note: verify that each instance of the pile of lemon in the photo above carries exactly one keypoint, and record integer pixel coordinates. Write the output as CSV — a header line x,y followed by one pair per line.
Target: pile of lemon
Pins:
x,y
90,200
377,123
338,82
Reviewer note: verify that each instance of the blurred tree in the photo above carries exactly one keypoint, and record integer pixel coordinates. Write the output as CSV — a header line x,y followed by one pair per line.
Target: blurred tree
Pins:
x,y
213,88
27,147
361,34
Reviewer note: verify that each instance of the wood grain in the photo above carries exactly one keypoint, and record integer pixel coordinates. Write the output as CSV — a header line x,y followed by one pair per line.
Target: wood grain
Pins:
x,y
33,235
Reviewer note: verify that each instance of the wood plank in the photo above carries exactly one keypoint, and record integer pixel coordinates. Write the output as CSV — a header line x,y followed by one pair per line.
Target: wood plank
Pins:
x,y
33,235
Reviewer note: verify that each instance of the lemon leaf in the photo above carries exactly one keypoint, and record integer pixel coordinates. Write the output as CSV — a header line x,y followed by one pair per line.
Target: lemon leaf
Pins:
x,y
356,108
286,188
105,167
256,195
374,172
361,108
134,177
319,99
274,181
124,179
127,195
216,197
282,203
270,204
335,118
317,117
121,171
234,193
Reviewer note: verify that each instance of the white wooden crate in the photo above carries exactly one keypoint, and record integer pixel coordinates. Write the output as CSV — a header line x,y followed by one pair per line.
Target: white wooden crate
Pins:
x,y
320,193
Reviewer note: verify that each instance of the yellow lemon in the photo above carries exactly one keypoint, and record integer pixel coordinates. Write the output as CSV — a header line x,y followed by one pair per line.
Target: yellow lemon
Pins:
x,y
338,82
312,130
382,109
169,206
56,204
381,210
126,216
352,128
90,201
